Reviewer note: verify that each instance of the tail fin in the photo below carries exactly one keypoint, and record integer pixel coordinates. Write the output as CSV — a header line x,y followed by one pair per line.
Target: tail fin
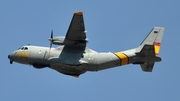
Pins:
x,y
153,38
150,48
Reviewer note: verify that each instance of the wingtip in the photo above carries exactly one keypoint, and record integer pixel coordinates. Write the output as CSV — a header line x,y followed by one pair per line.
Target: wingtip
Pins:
x,y
78,13
159,27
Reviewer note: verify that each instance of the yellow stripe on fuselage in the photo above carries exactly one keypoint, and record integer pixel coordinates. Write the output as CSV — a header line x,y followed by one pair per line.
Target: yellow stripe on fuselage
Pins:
x,y
123,57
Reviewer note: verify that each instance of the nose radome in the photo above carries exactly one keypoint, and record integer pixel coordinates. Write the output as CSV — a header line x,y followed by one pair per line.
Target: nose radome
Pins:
x,y
9,56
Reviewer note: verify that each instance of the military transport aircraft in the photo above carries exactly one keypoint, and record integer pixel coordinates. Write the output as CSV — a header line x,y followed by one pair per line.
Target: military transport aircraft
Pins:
x,y
73,57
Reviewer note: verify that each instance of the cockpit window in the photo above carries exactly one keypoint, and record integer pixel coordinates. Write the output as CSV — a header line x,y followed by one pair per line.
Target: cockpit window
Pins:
x,y
23,48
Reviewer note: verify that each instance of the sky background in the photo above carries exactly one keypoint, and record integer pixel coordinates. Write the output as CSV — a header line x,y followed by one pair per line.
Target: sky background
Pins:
x,y
111,26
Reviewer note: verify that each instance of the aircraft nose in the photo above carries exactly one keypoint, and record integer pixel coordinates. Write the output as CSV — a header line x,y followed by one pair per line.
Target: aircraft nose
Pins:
x,y
8,56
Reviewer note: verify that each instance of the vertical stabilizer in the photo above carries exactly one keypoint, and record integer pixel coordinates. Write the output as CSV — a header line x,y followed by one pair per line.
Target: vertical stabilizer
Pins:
x,y
149,49
153,38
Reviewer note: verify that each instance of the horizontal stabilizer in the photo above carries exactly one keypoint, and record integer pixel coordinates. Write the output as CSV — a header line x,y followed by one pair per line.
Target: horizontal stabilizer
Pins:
x,y
147,66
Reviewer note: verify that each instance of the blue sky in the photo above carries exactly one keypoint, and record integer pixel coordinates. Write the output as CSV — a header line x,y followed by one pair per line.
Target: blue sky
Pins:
x,y
114,25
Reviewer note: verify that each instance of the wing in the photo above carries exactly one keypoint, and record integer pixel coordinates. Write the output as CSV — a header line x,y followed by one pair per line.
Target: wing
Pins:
x,y
76,31
75,34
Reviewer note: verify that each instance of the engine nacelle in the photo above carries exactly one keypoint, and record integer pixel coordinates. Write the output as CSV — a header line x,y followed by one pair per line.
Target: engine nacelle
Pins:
x,y
61,40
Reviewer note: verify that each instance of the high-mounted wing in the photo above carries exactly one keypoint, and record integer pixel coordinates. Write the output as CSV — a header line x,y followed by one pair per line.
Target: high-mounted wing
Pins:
x,y
76,31
74,47
75,36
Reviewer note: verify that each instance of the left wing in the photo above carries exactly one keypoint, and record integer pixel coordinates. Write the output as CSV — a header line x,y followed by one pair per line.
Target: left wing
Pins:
x,y
76,31
74,42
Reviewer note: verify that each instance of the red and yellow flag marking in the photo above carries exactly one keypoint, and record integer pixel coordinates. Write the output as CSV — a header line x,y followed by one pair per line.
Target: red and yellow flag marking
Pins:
x,y
157,47
124,58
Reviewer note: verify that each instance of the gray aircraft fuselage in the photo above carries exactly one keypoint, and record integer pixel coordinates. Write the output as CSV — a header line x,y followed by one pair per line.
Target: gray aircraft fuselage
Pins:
x,y
70,62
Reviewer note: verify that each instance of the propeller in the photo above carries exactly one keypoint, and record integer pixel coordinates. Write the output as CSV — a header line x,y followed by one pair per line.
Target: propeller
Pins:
x,y
51,42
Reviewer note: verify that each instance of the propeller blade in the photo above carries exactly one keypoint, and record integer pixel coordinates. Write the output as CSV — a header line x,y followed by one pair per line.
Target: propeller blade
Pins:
x,y
51,42
52,34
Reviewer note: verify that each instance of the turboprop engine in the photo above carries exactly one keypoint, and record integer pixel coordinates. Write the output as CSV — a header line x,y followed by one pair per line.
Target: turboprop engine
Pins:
x,y
61,40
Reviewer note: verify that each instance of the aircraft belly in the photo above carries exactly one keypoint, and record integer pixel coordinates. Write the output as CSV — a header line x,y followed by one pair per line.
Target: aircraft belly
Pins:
x,y
69,64
67,69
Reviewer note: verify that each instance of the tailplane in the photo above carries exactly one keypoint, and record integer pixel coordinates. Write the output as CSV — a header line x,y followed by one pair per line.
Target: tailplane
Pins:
x,y
149,49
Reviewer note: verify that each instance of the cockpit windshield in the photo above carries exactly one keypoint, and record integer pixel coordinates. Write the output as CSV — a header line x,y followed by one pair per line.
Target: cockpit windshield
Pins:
x,y
23,48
